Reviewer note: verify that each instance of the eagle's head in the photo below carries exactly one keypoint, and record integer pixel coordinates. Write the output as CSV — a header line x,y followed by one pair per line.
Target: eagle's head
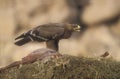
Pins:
x,y
73,27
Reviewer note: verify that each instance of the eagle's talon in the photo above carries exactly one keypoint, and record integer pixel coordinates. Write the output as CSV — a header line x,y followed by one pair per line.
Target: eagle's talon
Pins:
x,y
57,56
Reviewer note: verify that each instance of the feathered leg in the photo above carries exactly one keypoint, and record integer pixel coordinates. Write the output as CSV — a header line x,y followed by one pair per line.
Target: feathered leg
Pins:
x,y
53,44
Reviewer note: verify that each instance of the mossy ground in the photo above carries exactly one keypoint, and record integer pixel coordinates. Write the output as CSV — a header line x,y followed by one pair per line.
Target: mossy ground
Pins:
x,y
66,67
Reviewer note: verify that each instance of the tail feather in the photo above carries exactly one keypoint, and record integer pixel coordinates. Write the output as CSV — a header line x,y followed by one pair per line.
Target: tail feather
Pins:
x,y
23,41
21,36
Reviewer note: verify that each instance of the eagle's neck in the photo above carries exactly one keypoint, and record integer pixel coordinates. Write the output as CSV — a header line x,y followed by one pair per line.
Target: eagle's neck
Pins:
x,y
67,34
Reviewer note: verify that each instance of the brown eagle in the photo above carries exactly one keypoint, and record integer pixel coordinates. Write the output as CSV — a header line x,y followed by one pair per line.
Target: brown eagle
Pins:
x,y
50,33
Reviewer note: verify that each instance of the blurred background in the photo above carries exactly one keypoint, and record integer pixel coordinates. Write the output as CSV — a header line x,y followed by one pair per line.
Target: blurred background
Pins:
x,y
99,19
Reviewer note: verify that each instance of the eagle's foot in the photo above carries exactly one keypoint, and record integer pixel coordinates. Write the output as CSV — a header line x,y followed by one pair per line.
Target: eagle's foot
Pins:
x,y
57,55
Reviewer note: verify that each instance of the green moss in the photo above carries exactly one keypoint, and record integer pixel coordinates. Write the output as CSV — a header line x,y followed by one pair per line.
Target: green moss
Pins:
x,y
66,67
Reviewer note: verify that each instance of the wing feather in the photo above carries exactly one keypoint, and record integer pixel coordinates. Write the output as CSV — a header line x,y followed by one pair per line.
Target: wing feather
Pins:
x,y
49,32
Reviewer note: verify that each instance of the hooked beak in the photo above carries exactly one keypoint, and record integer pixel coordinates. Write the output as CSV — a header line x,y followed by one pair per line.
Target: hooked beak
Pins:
x,y
77,28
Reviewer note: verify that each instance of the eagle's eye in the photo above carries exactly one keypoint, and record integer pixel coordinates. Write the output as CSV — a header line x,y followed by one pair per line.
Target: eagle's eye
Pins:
x,y
77,28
